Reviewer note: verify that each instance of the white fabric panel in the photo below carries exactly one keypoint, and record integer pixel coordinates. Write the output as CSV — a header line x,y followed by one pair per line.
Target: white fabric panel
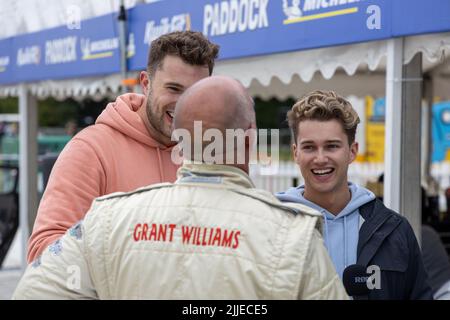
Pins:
x,y
361,84
95,87
26,16
303,63
435,47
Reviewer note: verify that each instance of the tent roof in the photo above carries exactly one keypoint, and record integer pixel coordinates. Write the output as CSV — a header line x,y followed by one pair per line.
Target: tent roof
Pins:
x,y
266,75
26,16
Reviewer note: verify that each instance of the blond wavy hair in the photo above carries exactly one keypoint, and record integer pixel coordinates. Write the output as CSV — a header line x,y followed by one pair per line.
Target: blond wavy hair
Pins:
x,y
324,105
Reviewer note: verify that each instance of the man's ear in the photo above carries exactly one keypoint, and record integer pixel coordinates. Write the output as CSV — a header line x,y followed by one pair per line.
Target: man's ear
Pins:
x,y
294,151
145,82
353,151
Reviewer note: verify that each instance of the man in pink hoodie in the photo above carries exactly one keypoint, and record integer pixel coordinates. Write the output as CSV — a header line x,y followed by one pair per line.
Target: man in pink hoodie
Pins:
x,y
130,145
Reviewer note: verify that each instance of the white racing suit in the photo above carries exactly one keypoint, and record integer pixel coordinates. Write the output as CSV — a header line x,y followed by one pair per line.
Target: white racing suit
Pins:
x,y
209,235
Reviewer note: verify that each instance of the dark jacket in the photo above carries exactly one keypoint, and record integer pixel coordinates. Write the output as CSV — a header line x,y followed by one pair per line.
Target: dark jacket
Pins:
x,y
387,240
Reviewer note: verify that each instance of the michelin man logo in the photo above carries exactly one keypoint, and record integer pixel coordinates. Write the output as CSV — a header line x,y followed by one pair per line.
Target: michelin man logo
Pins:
x,y
292,11
85,47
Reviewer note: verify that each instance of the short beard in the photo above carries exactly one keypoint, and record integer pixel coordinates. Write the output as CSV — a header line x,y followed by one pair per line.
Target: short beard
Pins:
x,y
155,120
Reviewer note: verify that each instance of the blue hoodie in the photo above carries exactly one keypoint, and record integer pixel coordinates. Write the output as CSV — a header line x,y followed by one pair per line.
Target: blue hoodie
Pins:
x,y
341,232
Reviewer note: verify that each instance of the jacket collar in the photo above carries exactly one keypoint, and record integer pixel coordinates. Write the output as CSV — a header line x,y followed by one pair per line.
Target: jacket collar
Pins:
x,y
378,225
213,174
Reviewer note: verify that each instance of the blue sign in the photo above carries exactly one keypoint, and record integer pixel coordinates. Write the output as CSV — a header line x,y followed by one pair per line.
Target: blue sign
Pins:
x,y
242,28
257,27
60,53
148,22
411,17
6,61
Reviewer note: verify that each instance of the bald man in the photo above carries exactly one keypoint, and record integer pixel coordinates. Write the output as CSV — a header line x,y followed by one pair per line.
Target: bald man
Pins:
x,y
209,235
224,107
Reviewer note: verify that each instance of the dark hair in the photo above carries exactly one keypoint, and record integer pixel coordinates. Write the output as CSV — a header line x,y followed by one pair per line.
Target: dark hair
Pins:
x,y
324,106
191,46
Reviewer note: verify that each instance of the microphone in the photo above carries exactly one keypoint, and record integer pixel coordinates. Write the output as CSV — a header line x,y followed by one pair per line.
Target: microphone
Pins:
x,y
355,281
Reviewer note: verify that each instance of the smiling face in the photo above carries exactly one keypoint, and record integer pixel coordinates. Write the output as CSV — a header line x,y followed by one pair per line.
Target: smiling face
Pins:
x,y
170,80
323,154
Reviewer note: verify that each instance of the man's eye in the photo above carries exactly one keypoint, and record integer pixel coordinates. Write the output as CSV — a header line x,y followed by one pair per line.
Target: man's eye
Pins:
x,y
174,89
333,146
307,148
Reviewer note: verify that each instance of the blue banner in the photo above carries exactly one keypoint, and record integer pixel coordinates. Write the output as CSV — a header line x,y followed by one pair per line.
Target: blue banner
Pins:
x,y
257,27
412,17
242,28
6,62
59,53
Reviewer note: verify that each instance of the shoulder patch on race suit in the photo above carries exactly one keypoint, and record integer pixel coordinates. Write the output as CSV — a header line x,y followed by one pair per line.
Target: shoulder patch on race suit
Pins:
x,y
56,247
75,231
294,208
139,190
302,208
37,262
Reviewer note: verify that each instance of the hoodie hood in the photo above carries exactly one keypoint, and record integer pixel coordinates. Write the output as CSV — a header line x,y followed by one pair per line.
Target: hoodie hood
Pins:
x,y
122,116
360,196
341,232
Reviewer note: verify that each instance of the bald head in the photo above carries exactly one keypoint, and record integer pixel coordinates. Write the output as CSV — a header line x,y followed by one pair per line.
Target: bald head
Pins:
x,y
219,104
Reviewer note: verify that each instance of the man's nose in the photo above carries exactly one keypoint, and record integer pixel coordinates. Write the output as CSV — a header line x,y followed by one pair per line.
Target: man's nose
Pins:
x,y
320,157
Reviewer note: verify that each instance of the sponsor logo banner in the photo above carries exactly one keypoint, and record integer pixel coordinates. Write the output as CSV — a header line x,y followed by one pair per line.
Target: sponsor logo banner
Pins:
x,y
62,52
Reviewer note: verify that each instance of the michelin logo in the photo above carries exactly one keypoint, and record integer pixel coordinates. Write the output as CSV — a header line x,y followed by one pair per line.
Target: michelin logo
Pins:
x,y
98,49
295,12
179,22
310,5
234,16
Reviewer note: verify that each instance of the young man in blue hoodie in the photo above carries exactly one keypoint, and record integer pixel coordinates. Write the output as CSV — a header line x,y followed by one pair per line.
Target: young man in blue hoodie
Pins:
x,y
358,228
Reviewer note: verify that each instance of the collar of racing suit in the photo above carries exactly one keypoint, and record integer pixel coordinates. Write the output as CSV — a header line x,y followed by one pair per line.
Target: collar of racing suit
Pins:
x,y
213,174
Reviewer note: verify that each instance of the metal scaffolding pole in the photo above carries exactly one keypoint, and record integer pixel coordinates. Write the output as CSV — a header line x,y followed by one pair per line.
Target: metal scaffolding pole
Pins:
x,y
403,111
28,196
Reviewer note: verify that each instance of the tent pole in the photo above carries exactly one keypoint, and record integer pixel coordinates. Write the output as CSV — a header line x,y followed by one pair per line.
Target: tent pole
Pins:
x,y
392,160
427,109
411,176
122,18
28,197
402,191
